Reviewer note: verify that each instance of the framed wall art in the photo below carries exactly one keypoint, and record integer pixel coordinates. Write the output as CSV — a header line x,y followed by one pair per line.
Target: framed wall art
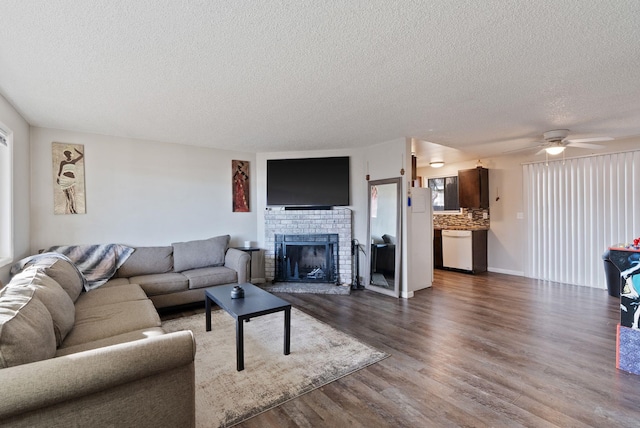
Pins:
x,y
68,178
240,185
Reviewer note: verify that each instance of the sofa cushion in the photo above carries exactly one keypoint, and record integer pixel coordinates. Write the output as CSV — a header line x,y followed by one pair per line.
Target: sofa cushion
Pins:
x,y
26,328
210,276
49,292
129,336
110,320
199,254
146,261
63,272
109,295
161,283
115,282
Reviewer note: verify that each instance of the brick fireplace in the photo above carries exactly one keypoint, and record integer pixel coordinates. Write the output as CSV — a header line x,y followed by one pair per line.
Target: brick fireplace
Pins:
x,y
310,223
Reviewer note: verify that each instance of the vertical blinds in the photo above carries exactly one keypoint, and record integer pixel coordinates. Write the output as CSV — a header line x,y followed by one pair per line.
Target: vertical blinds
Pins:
x,y
575,210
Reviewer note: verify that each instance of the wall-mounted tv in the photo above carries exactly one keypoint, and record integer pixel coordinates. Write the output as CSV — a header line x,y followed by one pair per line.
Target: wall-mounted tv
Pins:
x,y
308,182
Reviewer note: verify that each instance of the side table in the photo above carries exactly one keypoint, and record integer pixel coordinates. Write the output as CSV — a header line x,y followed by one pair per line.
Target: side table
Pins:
x,y
249,250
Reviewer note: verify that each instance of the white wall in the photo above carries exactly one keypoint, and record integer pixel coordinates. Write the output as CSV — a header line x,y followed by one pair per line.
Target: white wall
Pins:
x,y
387,160
154,193
11,119
506,246
139,193
374,159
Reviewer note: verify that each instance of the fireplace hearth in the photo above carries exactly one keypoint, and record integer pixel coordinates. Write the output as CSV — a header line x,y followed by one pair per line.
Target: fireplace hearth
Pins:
x,y
307,258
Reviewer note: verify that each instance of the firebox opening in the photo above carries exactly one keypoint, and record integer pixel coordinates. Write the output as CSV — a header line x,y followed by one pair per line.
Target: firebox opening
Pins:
x,y
307,258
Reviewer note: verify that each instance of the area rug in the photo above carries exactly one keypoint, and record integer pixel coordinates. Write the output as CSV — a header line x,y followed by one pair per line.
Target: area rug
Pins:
x,y
319,355
306,287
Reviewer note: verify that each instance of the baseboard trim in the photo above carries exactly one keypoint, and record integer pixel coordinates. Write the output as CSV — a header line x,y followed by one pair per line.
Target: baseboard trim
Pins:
x,y
506,271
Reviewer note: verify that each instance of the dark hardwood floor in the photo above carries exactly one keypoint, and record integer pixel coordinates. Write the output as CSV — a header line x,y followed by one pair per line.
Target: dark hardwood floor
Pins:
x,y
475,351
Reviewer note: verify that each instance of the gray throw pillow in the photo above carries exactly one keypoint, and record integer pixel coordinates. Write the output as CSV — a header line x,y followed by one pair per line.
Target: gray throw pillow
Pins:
x,y
199,254
147,261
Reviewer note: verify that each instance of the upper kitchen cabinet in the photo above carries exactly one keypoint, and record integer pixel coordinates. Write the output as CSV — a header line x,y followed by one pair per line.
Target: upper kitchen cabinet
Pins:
x,y
473,188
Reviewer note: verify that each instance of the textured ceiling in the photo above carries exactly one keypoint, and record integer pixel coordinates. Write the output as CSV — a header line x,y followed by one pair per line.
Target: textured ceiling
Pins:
x,y
481,76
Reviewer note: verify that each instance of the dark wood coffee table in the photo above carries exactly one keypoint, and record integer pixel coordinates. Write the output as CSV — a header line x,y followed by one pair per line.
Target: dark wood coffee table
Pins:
x,y
256,302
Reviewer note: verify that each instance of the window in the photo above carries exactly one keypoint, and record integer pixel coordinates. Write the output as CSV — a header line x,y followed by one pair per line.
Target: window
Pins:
x,y
575,209
6,198
444,191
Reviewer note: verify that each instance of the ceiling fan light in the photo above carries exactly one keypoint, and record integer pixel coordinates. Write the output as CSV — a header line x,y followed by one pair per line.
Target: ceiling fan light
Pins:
x,y
436,164
554,150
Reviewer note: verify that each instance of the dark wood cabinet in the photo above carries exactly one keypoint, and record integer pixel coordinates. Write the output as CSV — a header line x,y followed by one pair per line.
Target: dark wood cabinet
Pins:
x,y
437,248
473,188
479,251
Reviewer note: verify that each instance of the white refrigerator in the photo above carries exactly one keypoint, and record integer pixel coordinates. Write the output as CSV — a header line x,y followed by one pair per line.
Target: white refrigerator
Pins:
x,y
420,260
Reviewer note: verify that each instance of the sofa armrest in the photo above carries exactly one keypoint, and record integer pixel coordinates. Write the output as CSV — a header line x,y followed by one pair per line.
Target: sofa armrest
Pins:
x,y
239,261
110,386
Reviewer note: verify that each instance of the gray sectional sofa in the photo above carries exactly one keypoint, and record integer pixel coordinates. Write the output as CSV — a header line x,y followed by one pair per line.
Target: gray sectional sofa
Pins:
x,y
178,274
70,357
98,358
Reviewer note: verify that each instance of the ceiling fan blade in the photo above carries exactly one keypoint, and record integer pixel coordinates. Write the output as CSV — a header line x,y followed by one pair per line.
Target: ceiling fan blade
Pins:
x,y
523,149
540,152
588,140
584,145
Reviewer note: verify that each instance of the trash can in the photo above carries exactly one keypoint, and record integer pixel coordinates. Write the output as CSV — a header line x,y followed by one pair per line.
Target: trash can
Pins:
x,y
614,279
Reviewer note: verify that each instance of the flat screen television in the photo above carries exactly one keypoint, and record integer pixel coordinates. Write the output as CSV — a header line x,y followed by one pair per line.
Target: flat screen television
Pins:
x,y
308,182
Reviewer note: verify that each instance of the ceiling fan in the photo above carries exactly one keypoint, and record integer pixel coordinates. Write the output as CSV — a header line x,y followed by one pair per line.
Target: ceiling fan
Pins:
x,y
555,141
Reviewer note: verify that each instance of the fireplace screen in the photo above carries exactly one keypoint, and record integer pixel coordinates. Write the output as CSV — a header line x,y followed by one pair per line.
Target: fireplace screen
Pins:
x,y
306,258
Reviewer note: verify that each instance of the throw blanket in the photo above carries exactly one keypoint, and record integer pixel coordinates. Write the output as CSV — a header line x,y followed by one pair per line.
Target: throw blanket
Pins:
x,y
98,263
18,266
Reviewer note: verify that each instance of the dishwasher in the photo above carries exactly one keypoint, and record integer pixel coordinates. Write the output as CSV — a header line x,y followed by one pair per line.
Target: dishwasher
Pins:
x,y
457,249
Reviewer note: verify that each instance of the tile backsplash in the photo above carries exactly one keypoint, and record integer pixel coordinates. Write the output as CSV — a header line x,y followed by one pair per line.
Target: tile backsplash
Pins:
x,y
443,221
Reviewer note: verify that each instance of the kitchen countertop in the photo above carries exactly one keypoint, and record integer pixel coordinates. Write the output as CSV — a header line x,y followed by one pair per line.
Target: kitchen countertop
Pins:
x,y
462,228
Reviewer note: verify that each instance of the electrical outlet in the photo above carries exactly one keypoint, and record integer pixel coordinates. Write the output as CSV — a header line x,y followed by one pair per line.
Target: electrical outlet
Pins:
x,y
470,215
485,216
520,216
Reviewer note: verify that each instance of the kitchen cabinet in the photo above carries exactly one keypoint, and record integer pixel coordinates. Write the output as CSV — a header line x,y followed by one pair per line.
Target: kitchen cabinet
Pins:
x,y
473,188
479,251
437,248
